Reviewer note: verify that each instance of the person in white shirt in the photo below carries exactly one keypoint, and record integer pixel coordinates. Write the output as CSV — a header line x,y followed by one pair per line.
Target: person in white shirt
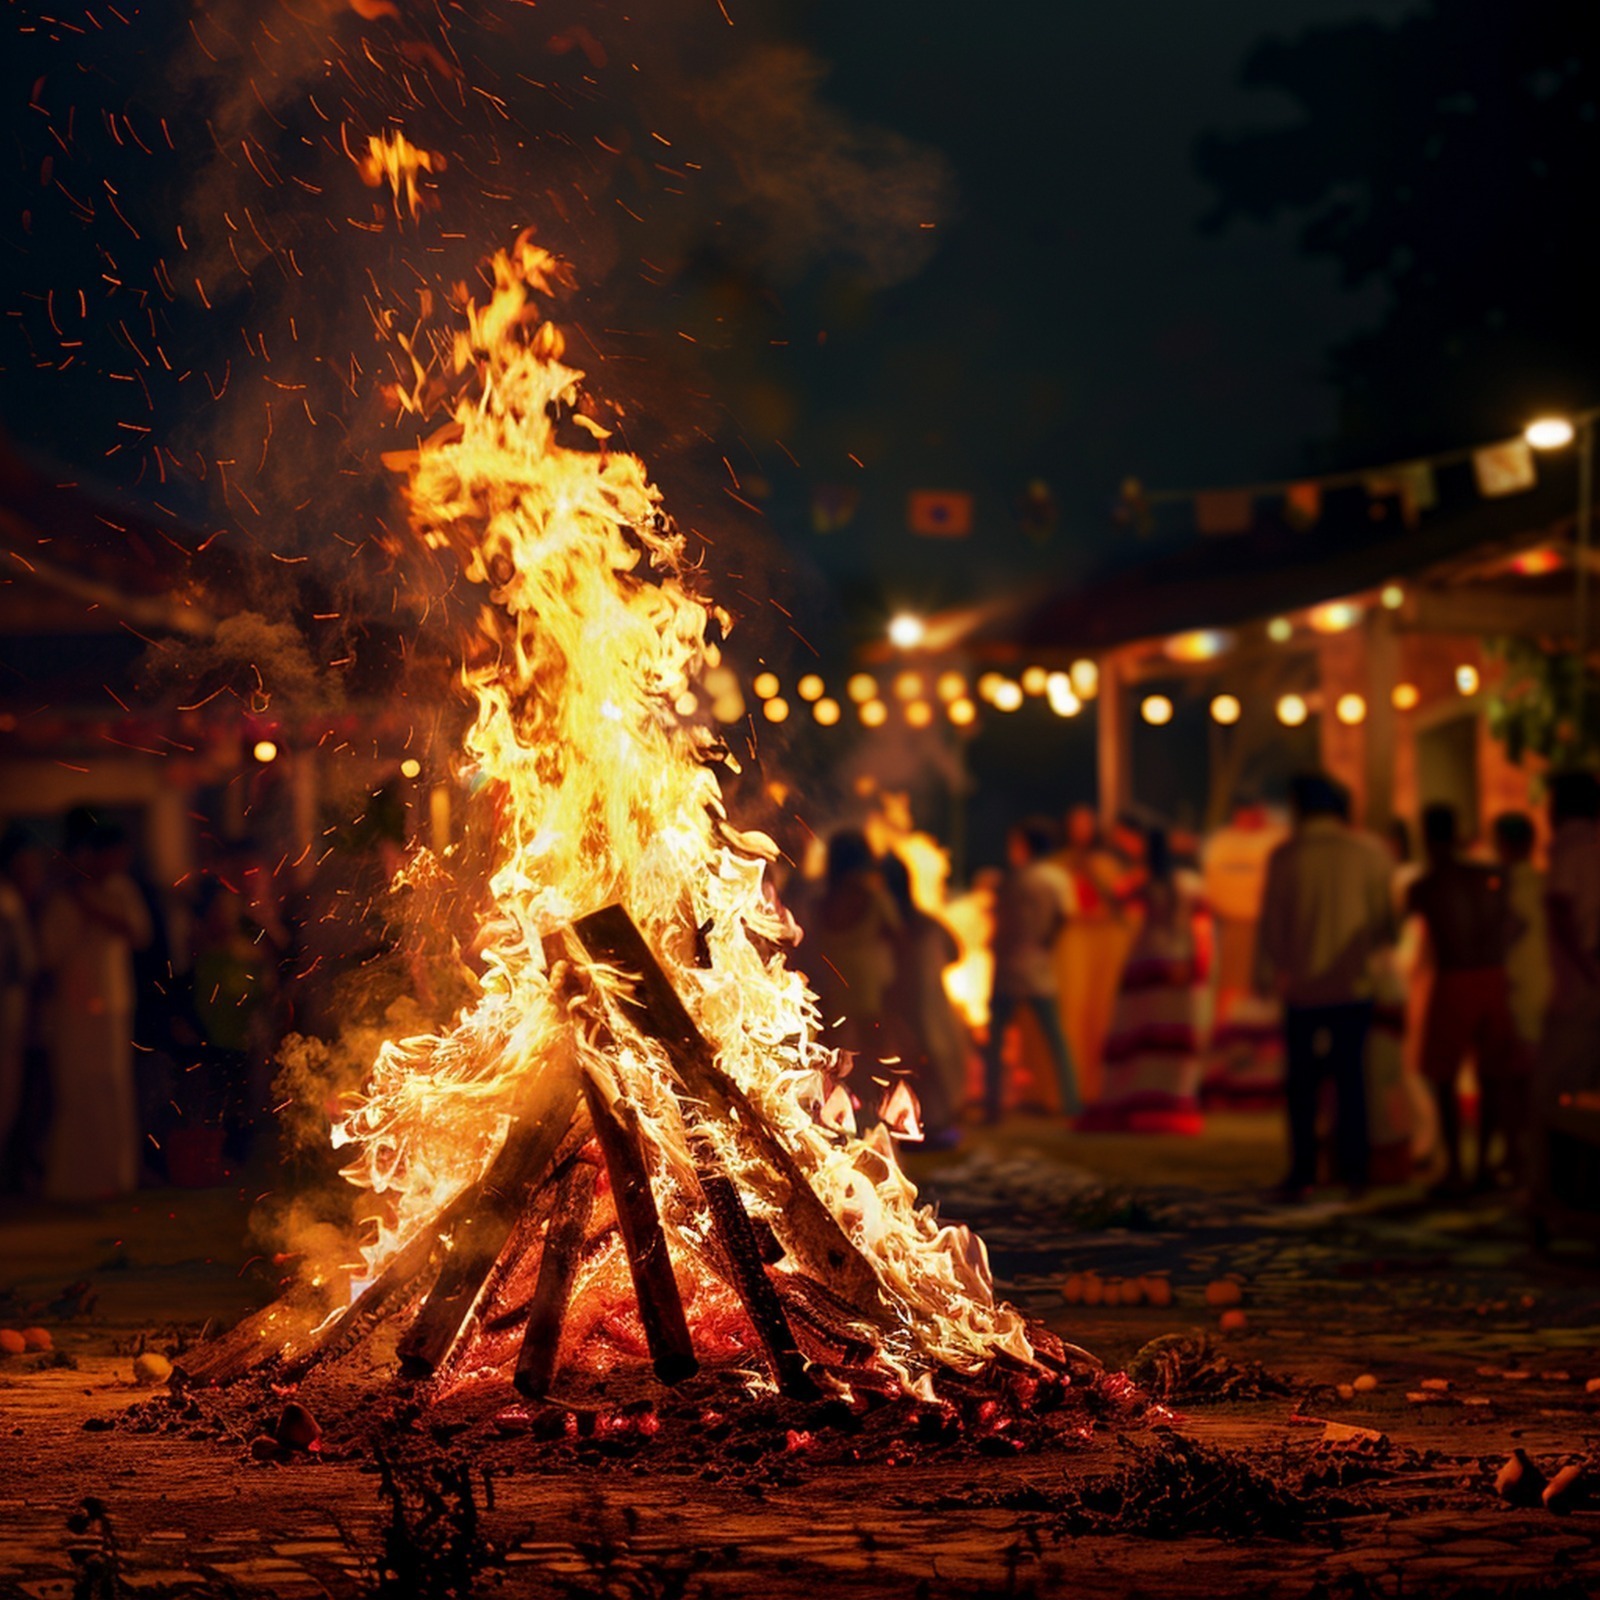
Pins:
x,y
1326,912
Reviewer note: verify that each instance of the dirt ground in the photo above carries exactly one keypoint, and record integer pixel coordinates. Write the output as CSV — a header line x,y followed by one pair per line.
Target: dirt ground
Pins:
x,y
1261,1475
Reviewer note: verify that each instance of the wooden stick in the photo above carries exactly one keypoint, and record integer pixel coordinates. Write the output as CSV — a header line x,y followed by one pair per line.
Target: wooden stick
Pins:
x,y
809,1231
558,1267
481,1234
660,1303
742,1252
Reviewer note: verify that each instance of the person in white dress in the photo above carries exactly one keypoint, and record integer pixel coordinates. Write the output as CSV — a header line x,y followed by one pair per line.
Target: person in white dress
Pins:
x,y
87,937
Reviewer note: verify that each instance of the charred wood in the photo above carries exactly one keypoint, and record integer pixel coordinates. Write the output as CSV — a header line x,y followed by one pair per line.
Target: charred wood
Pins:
x,y
558,1267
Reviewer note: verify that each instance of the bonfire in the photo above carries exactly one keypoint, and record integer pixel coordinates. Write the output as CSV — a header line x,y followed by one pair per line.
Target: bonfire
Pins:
x,y
627,1147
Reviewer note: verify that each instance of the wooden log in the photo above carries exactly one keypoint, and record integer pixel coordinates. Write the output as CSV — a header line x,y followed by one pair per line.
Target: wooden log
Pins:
x,y
741,1251
252,1342
481,1233
810,1232
660,1304
558,1268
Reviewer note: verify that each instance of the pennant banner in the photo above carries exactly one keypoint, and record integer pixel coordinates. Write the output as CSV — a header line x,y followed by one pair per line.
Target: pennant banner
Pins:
x,y
1224,511
1302,505
939,513
1503,469
1411,483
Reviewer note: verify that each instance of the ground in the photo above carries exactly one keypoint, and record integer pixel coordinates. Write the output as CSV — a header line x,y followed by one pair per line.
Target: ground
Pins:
x,y
1270,1483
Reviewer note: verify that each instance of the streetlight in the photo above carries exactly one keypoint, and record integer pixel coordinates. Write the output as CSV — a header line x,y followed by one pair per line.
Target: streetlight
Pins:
x,y
907,631
1556,433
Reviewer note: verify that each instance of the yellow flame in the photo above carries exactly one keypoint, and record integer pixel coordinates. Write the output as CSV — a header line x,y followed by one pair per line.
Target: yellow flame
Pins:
x,y
592,635
392,158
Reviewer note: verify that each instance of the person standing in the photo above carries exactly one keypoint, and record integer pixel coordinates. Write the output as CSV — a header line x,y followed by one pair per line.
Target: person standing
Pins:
x,y
850,933
1032,906
1464,908
1527,972
1569,1049
87,937
1326,911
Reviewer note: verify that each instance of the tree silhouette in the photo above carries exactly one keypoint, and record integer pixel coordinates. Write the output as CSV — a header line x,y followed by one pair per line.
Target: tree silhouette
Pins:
x,y
1453,157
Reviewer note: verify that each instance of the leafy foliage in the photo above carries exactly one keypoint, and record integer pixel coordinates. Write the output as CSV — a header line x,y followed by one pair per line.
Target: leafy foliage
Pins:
x,y
1534,708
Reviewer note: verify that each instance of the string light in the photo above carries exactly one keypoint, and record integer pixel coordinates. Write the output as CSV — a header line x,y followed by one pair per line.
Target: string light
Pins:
x,y
1292,710
766,684
1062,700
826,712
1280,630
906,631
1467,678
1034,680
874,713
1204,644
776,709
1337,616
1392,596
908,686
410,767
963,713
1226,710
988,684
1085,675
862,688
1156,709
919,714
1350,709
1549,433
1007,695
1405,697
810,687
265,751
951,686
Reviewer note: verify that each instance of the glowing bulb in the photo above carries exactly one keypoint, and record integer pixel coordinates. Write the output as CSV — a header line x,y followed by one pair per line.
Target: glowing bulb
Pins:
x,y
907,631
1350,709
1062,700
826,712
874,713
862,687
989,684
908,686
1405,697
919,714
1034,680
1280,630
963,712
728,707
1292,710
1549,433
1156,709
410,768
265,751
1225,709
776,709
766,684
1392,596
1467,678
1205,644
1007,695
952,686
1336,616
810,687
1085,678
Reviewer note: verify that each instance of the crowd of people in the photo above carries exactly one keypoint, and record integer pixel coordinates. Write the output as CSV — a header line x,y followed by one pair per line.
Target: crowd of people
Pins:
x,y
130,1050
1141,974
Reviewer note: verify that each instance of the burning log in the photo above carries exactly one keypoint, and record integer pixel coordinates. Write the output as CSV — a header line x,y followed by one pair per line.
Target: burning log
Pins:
x,y
558,1266
660,1304
808,1230
501,1201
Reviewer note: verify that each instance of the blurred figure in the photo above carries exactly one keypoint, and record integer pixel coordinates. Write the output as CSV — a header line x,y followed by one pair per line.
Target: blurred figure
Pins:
x,y
1325,912
1032,905
1569,1049
19,967
1463,906
920,1023
1246,1053
1093,946
851,933
87,937
1527,973
1153,1050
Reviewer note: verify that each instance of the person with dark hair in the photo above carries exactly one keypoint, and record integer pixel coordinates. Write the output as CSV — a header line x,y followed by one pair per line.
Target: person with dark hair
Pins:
x,y
1326,911
1152,1053
849,949
87,937
1527,971
920,1024
1464,908
1032,906
1569,1050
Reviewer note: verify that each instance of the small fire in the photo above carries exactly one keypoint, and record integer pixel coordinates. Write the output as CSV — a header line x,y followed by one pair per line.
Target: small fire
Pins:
x,y
593,632
392,158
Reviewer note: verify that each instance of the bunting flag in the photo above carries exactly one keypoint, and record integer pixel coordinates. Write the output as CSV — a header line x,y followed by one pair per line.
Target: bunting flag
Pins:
x,y
1219,511
833,506
1302,505
1503,469
1411,483
939,513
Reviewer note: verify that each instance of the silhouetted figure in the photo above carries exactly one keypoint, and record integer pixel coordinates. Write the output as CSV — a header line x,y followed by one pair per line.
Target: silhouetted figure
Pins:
x,y
849,950
1569,1051
1032,905
1326,911
1527,974
1463,905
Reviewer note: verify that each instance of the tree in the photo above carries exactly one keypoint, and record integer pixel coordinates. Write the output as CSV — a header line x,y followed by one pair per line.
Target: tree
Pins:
x,y
1450,157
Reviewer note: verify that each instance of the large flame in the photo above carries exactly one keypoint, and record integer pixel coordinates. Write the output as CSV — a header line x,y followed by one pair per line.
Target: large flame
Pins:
x,y
591,643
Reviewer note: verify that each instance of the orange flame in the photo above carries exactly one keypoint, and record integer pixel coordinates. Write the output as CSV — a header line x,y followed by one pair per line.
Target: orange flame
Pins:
x,y
392,158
